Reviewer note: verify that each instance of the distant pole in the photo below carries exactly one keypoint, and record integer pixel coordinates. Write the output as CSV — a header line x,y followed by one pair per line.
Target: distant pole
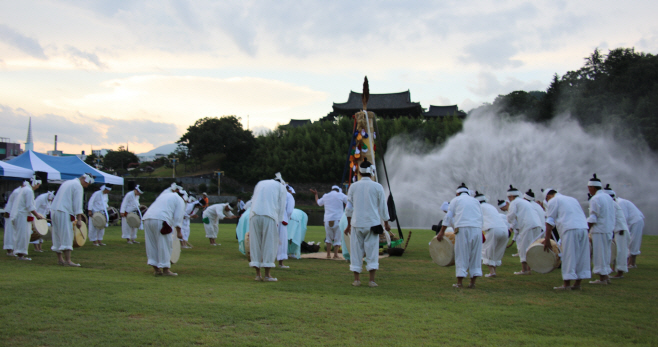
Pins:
x,y
173,162
219,176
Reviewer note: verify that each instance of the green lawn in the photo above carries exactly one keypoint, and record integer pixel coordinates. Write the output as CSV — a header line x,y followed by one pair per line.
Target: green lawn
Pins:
x,y
115,300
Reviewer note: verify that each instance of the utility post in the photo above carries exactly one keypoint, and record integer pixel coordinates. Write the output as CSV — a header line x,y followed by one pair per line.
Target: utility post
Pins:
x,y
219,176
173,163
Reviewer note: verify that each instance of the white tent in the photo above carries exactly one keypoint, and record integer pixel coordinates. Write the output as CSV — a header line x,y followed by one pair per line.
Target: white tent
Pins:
x,y
9,170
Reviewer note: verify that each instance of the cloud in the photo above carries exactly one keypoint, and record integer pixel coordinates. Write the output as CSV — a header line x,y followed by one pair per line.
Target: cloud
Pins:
x,y
260,130
82,59
496,53
85,131
23,43
487,84
184,99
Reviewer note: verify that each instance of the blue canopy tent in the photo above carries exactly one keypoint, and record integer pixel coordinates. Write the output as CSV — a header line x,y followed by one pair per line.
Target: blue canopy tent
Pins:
x,y
13,171
61,169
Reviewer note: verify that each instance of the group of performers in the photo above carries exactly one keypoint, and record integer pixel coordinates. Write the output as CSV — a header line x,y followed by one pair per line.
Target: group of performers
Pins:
x,y
531,219
481,232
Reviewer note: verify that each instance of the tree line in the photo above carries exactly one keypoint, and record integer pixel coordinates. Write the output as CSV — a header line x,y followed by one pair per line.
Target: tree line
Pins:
x,y
618,90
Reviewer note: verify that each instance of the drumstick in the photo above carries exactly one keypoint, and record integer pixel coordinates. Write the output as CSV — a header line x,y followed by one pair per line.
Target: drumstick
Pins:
x,y
408,238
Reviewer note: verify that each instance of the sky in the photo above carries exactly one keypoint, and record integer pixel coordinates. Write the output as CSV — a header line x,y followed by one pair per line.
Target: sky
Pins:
x,y
101,74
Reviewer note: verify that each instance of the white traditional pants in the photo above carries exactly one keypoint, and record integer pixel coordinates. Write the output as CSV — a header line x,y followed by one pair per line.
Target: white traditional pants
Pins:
x,y
21,229
282,250
62,231
468,252
525,239
601,246
9,235
621,262
211,229
363,242
493,248
185,229
575,254
263,241
636,237
333,234
158,246
127,232
94,233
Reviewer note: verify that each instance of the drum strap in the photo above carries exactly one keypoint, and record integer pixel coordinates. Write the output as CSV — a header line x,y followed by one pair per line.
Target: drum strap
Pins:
x,y
141,219
107,218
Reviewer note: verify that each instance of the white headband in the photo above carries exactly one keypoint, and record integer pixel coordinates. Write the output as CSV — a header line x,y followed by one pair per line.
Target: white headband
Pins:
x,y
88,178
139,190
104,187
292,191
34,181
548,190
51,195
369,170
278,177
462,190
528,197
513,193
337,188
481,198
610,192
502,204
594,184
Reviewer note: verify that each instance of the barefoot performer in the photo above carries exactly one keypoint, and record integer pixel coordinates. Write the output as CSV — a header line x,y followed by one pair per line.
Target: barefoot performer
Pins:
x,y
130,204
334,204
163,217
565,213
465,217
211,217
267,209
366,209
601,223
23,212
98,203
496,235
67,208
521,215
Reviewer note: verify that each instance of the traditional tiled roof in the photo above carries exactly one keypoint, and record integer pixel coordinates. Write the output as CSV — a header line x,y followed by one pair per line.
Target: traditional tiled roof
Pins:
x,y
294,123
444,111
376,102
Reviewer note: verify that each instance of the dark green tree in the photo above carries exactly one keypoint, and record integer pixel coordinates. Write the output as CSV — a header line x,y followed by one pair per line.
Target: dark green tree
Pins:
x,y
119,160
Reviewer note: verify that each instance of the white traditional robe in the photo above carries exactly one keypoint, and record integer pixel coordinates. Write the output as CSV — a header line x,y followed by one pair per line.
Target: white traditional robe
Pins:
x,y
97,203
67,204
540,213
268,206
214,213
635,221
622,236
496,236
282,251
465,213
129,204
43,208
522,216
366,205
602,217
189,211
565,213
168,208
22,209
9,232
333,203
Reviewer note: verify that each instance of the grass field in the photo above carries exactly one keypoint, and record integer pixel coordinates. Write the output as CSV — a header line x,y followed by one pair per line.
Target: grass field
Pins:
x,y
114,299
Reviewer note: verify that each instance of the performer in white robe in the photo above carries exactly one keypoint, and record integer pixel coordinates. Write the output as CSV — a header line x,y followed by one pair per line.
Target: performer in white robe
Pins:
x,y
98,203
282,251
174,188
601,223
211,217
190,212
130,204
268,206
366,208
503,205
495,233
539,210
8,244
23,212
165,215
334,203
635,221
522,216
465,217
565,213
621,236
66,208
42,203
